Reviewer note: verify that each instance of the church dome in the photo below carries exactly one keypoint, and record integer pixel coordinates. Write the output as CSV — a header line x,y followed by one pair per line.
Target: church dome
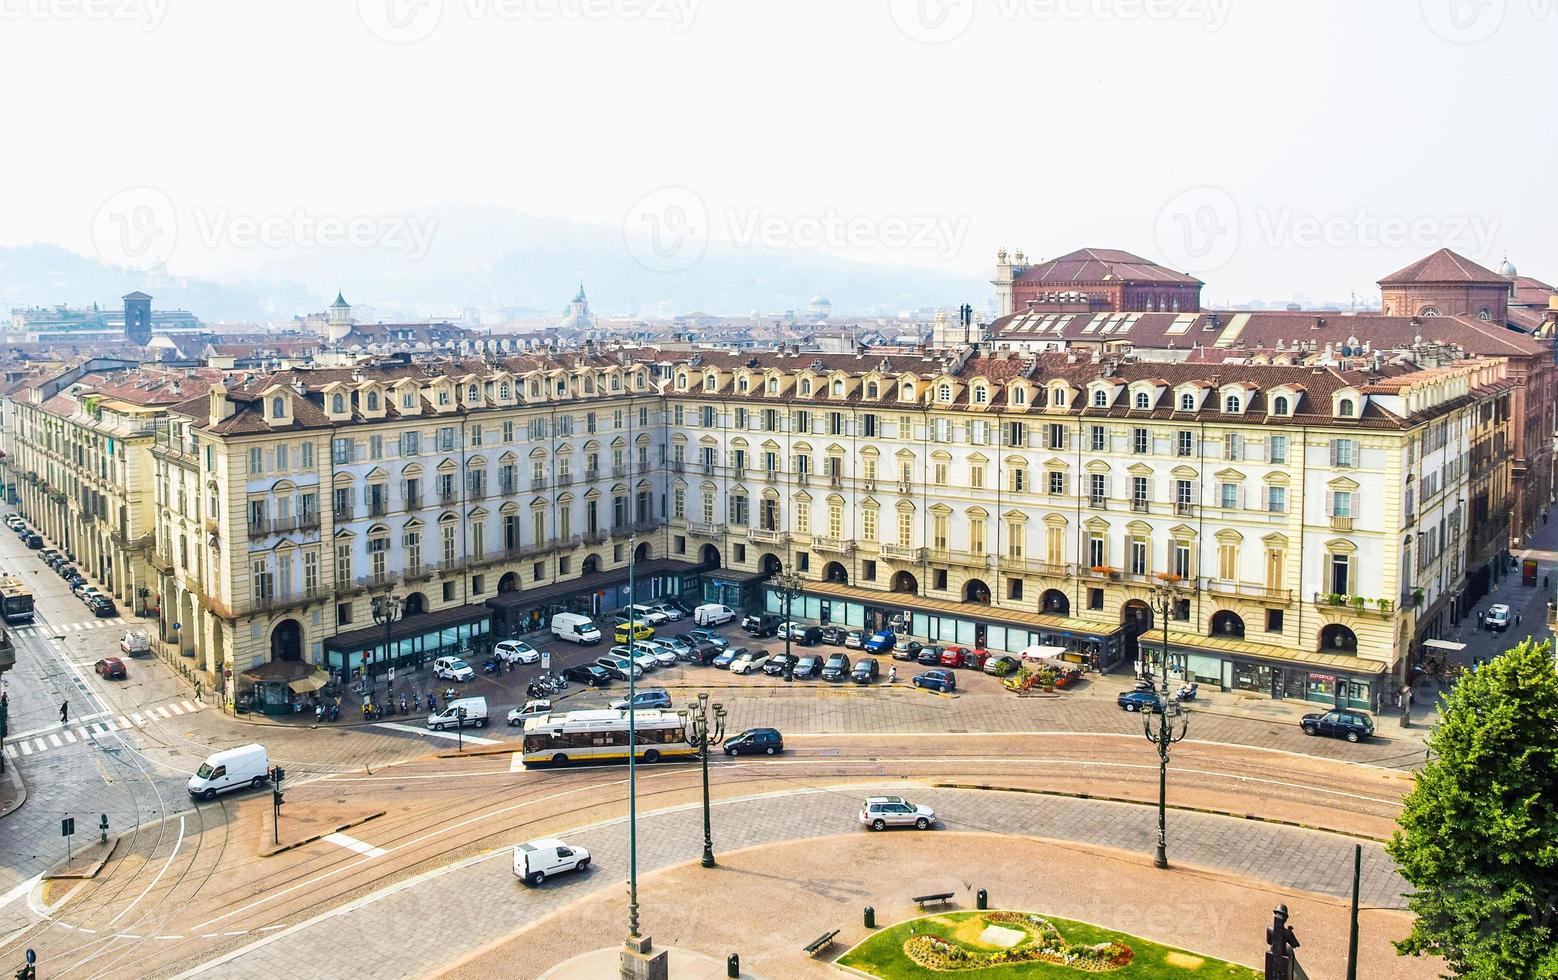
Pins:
x,y
1506,269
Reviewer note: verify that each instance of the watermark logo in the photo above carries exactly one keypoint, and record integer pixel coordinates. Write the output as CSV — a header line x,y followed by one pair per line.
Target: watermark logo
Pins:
x,y
1463,21
401,21
148,13
1198,229
135,228
667,230
932,21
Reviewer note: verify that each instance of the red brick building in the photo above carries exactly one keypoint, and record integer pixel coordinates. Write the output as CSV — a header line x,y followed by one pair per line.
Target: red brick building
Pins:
x,y
1096,280
1446,284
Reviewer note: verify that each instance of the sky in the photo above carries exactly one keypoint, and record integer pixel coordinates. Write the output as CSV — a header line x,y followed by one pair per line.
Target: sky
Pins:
x,y
1278,150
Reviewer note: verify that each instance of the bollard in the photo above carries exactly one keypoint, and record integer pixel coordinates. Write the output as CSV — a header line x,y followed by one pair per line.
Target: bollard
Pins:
x,y
733,965
870,917
982,900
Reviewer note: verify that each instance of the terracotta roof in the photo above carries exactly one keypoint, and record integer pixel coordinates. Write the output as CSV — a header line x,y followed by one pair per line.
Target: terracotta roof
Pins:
x,y
1096,265
1444,266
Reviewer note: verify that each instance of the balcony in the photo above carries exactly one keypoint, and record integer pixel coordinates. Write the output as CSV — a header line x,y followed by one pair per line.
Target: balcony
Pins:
x,y
452,565
1098,503
413,501
308,522
476,492
591,475
595,537
802,479
1361,605
1098,573
645,527
1341,523
838,546
705,529
766,535
377,508
1247,590
378,580
160,563
564,480
905,487
281,600
835,480
343,514
898,552
538,483
1140,505
678,466
448,497
618,471
1184,509
417,571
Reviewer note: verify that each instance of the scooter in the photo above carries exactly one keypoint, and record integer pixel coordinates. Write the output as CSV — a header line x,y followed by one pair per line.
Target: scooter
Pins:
x,y
1187,692
491,667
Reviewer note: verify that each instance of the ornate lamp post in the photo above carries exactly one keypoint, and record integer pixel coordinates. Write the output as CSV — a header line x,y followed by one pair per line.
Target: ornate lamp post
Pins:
x,y
703,733
1171,724
790,587
386,610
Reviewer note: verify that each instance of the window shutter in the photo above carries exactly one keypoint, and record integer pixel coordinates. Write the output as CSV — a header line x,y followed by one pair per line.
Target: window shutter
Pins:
x,y
1334,452
1330,503
1239,497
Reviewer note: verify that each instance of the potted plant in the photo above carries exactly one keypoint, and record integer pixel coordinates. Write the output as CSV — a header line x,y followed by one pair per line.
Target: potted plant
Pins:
x,y
1384,605
1358,602
1417,597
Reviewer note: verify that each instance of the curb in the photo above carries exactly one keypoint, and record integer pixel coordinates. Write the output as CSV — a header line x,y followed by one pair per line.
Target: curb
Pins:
x,y
273,850
17,791
1172,806
65,874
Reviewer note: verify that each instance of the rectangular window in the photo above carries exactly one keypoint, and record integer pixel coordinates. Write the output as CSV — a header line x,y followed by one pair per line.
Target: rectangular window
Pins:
x,y
343,565
1233,446
868,525
1095,598
1183,496
1138,556
1097,438
1016,434
905,528
1185,442
1341,503
1139,493
341,450
306,454
281,458
1014,588
1180,551
1273,620
868,426
1057,436
1141,442
256,460
976,476
1277,499
1344,453
1228,562
1277,449
1230,495
446,439
310,573
1057,483
1097,488
1341,574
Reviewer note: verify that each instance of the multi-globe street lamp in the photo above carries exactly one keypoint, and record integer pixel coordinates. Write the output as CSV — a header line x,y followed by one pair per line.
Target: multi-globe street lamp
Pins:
x,y
704,731
1165,727
387,610
789,587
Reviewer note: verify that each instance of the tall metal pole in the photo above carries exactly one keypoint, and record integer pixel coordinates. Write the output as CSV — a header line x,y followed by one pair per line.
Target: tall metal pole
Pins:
x,y
1352,932
704,735
1164,736
633,933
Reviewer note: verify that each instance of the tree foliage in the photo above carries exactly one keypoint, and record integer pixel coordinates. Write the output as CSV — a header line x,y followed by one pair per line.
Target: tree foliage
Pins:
x,y
1478,836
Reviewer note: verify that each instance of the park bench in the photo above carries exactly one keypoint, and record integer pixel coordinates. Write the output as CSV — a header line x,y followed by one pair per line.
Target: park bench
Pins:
x,y
940,898
820,943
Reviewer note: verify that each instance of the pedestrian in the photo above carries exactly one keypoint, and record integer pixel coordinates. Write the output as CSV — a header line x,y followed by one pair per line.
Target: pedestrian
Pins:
x,y
1398,700
1517,619
1410,698
1479,619
892,675
64,712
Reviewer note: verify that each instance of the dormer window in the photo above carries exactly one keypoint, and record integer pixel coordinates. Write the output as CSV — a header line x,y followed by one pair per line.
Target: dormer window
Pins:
x,y
944,393
616,382
1019,396
373,401
535,389
1100,399
1187,402
838,388
1231,405
710,382
1344,408
906,393
443,396
338,404
503,391
1279,405
472,393
981,395
408,400
871,389
805,388
741,385
1142,401
278,408
773,386
562,386
1058,397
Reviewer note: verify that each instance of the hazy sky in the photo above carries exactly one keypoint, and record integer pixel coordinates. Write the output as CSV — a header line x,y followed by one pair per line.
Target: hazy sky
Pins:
x,y
1276,149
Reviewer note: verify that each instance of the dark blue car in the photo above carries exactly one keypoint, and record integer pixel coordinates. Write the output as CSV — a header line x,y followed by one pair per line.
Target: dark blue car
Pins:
x,y
937,680
1140,701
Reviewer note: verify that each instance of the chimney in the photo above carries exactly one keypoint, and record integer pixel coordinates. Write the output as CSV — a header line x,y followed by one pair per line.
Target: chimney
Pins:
x,y
221,407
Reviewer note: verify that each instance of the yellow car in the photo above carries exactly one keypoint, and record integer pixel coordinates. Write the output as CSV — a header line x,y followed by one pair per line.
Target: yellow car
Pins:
x,y
641,631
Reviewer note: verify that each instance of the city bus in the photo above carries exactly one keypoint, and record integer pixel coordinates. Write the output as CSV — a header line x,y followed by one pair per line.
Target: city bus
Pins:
x,y
15,600
582,736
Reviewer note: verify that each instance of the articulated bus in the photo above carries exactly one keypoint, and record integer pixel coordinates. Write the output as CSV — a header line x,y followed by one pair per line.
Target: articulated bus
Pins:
x,y
583,736
15,600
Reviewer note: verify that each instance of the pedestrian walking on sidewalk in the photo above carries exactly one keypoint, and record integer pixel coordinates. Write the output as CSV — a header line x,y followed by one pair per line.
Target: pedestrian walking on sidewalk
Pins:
x,y
1479,619
64,712
1517,619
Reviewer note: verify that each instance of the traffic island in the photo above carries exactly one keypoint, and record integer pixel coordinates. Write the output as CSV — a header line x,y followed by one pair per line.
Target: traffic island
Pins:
x,y
307,822
85,862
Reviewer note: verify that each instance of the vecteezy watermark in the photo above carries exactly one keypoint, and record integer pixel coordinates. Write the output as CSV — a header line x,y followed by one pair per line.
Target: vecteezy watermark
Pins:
x,y
669,229
1201,229
1463,21
408,21
139,228
148,13
940,21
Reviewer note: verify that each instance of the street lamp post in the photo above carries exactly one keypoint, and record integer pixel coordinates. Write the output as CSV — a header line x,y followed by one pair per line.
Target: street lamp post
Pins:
x,y
386,610
790,587
1172,722
704,733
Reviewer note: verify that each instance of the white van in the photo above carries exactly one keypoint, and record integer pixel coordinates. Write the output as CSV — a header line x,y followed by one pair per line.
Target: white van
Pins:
x,y
575,628
135,643
475,714
538,860
247,765
713,614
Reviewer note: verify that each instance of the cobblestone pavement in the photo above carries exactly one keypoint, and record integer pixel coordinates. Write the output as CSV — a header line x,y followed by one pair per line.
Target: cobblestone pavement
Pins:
x,y
480,901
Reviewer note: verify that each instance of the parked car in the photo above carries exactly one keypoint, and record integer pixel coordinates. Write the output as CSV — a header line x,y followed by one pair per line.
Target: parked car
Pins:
x,y
517,652
102,606
32,540
575,628
834,635
866,671
671,613
854,640
928,655
645,661
1140,701
761,624
110,669
66,571
50,557
778,662
810,636
881,641
459,713
808,667
753,741
247,765
748,662
644,614
537,708
707,636
728,656
941,679
903,651
713,614
590,675
664,655
881,812
682,645
963,657
1354,726
836,668
640,631
704,653
652,697
452,669
78,590
1499,617
618,667
791,630
87,593
539,860
1001,664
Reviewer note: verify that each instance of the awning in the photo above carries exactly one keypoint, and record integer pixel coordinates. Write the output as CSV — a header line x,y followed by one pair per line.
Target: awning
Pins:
x,y
1259,651
1449,645
309,684
370,637
278,672
535,597
968,610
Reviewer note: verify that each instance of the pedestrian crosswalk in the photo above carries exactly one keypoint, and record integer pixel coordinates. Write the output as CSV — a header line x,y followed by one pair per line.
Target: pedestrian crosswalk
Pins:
x,y
54,629
32,743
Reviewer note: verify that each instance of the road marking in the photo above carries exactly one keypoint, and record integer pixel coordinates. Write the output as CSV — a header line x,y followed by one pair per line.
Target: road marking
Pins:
x,y
55,741
451,736
175,709
70,736
124,722
160,713
139,721
353,844
188,706
10,750
82,732
19,890
40,745
167,937
279,925
167,864
517,763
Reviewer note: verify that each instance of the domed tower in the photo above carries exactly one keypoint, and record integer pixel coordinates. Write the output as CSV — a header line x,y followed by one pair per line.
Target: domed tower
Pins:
x,y
339,319
820,308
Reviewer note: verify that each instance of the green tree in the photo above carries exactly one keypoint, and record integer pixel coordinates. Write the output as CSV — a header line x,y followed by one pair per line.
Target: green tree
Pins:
x,y
1478,835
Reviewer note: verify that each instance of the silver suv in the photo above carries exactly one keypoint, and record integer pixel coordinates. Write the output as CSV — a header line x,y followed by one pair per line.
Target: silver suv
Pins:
x,y
881,812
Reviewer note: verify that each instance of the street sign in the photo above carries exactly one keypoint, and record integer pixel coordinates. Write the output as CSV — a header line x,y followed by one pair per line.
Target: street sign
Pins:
x,y
176,626
67,826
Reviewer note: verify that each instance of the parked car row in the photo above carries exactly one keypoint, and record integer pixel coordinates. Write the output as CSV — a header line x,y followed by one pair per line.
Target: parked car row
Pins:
x,y
30,538
62,564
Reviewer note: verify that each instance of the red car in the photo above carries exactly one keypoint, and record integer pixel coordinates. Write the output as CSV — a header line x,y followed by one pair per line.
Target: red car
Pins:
x,y
963,657
110,668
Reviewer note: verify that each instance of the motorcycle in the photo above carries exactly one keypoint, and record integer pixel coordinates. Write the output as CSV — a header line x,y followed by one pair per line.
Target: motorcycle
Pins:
x,y
491,667
1187,692
1145,685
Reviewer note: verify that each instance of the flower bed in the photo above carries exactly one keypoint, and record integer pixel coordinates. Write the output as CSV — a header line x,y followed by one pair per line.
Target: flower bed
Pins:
x,y
1044,944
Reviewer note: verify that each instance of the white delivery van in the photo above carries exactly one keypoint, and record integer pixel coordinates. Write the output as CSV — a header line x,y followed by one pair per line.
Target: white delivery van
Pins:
x,y
538,860
475,714
576,628
713,614
247,765
135,643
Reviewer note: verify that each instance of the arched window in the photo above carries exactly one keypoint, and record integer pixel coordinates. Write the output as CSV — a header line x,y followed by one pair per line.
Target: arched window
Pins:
x,y
1060,398
1100,399
838,387
681,381
907,394
338,404
980,395
741,385
710,382
472,393
1142,401
871,389
805,386
278,408
1187,402
503,391
1019,396
1280,405
373,401
773,386
1344,408
1231,405
944,393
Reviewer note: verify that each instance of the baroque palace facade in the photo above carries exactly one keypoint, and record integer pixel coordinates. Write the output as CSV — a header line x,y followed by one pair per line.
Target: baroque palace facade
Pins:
x,y
1311,519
